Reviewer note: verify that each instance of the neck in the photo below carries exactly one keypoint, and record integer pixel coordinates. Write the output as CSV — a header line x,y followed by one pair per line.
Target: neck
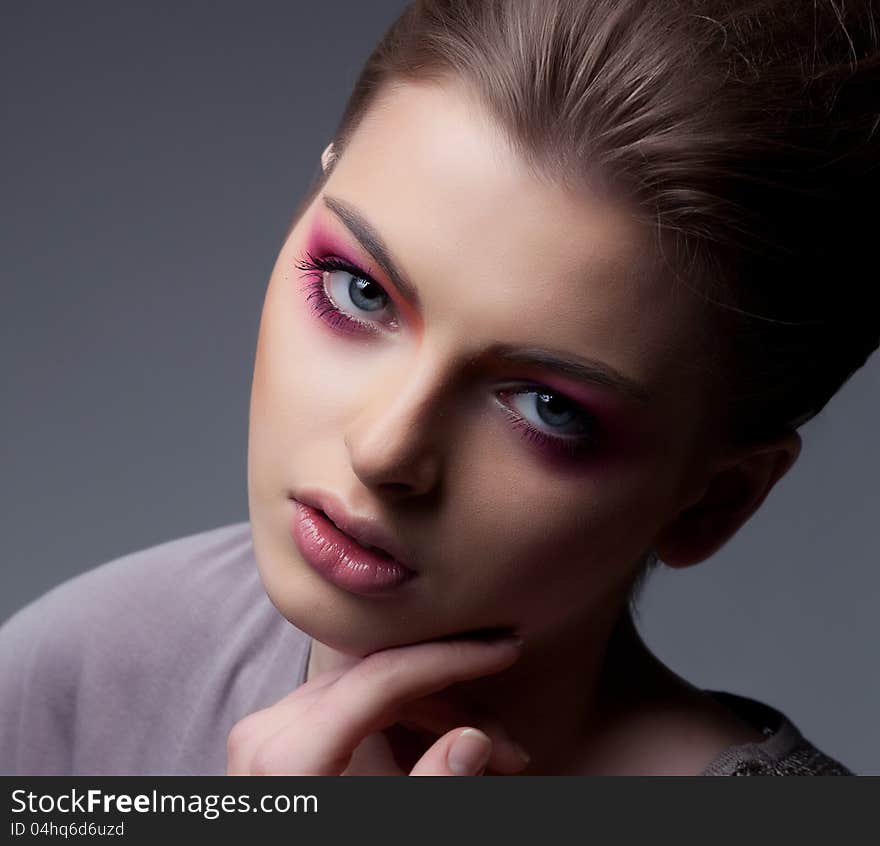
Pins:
x,y
557,699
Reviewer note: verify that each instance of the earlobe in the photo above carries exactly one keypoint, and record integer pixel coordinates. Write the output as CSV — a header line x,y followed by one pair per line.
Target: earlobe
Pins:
x,y
327,156
734,491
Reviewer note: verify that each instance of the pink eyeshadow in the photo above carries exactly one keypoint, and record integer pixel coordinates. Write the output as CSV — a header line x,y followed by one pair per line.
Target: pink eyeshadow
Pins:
x,y
625,434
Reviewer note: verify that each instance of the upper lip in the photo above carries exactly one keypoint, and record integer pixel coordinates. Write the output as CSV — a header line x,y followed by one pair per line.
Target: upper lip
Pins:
x,y
364,529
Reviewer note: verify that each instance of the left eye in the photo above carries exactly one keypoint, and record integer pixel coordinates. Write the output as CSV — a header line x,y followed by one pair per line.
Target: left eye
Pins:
x,y
365,294
337,282
551,410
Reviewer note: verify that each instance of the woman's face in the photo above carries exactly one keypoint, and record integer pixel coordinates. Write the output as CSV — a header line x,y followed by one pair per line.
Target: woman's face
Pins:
x,y
525,491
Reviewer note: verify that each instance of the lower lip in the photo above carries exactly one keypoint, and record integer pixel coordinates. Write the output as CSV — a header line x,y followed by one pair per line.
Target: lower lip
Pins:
x,y
339,558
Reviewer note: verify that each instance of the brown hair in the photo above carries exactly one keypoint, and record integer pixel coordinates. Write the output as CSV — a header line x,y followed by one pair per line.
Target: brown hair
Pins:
x,y
745,132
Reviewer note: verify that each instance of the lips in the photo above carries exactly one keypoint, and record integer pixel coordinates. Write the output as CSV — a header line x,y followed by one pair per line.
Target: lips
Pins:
x,y
340,559
367,530
372,548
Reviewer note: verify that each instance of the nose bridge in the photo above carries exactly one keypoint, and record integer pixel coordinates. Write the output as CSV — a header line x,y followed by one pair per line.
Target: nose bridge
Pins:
x,y
395,435
405,396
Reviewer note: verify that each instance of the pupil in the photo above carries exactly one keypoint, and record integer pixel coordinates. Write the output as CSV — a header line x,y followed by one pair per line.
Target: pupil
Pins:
x,y
359,289
554,407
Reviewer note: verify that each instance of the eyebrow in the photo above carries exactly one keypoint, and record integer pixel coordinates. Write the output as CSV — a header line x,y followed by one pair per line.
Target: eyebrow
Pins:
x,y
585,370
372,242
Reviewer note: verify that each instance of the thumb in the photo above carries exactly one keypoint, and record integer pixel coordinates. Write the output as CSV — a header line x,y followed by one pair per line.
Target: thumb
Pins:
x,y
460,752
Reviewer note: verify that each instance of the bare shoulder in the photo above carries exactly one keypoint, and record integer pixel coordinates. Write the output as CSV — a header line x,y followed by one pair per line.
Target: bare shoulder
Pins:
x,y
699,730
680,733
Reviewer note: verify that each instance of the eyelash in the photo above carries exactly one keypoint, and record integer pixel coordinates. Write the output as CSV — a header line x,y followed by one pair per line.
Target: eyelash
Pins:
x,y
575,446
314,267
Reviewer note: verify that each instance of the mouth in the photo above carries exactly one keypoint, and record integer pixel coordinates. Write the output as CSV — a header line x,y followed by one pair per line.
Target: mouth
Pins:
x,y
376,549
367,530
340,558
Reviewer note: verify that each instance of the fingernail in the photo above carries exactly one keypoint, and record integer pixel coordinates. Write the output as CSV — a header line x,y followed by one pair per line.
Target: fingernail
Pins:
x,y
470,752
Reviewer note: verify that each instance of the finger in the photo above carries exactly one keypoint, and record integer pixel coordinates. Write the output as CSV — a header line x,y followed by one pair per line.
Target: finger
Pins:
x,y
260,726
438,714
367,698
460,752
371,695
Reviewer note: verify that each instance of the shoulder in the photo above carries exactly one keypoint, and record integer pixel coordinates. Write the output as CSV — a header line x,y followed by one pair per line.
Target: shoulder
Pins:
x,y
783,749
709,733
136,596
803,760
172,633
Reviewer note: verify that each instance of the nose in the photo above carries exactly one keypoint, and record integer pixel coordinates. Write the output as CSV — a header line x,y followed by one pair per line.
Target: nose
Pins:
x,y
394,442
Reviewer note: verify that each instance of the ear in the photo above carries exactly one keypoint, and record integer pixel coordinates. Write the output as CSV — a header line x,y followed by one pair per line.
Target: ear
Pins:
x,y
327,156
734,491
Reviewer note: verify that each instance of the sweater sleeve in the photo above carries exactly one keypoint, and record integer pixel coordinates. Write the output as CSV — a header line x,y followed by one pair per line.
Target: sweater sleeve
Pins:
x,y
39,651
107,650
143,664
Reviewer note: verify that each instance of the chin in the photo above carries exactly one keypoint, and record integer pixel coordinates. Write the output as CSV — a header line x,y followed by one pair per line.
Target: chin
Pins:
x,y
350,624
351,634
358,627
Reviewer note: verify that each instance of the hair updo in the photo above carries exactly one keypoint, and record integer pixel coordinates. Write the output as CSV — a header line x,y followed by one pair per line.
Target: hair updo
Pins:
x,y
745,133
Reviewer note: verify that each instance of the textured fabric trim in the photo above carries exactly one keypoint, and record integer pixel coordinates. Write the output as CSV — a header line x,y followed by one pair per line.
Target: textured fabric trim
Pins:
x,y
777,746
785,751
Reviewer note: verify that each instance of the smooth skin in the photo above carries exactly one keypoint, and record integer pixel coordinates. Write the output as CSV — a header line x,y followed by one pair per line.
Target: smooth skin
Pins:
x,y
409,424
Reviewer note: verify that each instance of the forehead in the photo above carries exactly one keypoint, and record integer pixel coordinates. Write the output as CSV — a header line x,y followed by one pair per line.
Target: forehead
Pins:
x,y
499,253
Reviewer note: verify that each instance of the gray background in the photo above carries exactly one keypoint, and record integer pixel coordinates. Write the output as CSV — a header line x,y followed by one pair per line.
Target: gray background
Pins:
x,y
152,157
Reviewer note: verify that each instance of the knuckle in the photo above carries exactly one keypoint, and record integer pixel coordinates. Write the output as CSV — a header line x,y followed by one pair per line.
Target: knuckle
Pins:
x,y
235,741
388,666
243,727
241,735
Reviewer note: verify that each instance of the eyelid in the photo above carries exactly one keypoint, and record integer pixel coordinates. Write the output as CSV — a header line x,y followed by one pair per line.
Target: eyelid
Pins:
x,y
534,383
354,269
371,242
347,265
568,444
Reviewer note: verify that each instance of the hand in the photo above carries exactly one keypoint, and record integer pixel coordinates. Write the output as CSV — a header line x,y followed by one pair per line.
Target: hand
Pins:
x,y
316,729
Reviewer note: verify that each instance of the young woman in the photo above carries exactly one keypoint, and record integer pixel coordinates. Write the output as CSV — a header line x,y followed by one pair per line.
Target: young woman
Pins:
x,y
552,313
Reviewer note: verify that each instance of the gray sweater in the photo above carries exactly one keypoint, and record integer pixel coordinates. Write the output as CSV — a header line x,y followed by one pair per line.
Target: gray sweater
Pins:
x,y
142,665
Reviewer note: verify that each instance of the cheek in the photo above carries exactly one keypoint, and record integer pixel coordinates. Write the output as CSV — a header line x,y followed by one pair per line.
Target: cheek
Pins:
x,y
537,555
531,545
299,373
